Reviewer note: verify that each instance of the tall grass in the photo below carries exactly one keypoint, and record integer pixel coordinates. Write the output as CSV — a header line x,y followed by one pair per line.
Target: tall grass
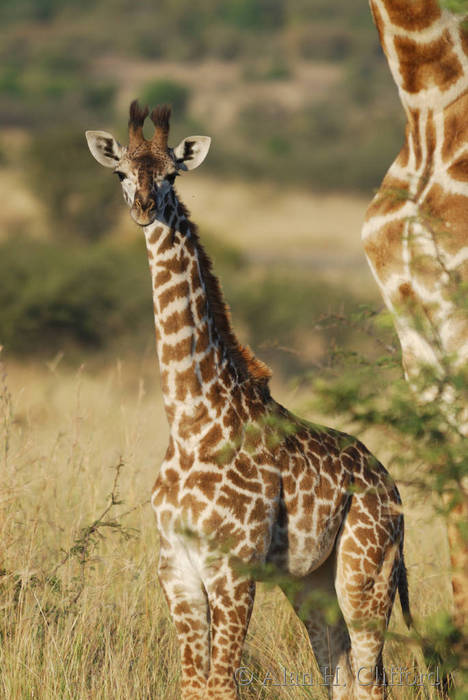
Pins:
x,y
82,614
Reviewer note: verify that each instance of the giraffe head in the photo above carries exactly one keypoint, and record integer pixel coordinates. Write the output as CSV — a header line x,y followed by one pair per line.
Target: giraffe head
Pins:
x,y
147,168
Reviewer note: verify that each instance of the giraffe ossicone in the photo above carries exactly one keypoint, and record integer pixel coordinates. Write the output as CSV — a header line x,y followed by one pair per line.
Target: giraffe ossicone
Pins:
x,y
244,482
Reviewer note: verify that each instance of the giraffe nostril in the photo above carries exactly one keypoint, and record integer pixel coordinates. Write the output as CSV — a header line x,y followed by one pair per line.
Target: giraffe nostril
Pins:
x,y
143,212
145,207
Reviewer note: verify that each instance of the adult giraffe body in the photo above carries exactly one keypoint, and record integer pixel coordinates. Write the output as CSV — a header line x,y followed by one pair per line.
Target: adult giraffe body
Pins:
x,y
416,229
245,482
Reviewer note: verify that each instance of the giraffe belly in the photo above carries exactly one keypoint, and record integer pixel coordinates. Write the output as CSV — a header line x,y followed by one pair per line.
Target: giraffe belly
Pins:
x,y
300,556
301,543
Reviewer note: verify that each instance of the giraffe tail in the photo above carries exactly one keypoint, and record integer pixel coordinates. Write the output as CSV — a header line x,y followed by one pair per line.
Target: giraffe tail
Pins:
x,y
403,591
432,656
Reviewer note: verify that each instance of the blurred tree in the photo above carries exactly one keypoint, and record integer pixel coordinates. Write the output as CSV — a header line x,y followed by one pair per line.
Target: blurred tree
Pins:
x,y
42,10
169,92
82,204
49,77
458,6
254,14
53,295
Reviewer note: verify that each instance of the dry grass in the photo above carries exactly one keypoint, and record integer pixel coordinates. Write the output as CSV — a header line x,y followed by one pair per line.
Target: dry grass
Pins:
x,y
82,615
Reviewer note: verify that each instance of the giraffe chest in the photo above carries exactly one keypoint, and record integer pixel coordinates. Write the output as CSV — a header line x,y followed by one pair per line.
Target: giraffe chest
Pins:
x,y
232,506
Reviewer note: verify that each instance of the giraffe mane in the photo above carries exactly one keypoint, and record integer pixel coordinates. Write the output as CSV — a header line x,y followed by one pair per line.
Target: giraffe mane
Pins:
x,y
242,356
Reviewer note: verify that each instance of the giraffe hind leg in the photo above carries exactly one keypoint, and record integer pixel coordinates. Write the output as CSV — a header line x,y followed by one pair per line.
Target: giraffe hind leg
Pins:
x,y
315,604
349,651
366,594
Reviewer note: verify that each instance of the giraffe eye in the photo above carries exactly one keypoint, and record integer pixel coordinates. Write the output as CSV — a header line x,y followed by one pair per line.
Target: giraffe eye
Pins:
x,y
120,175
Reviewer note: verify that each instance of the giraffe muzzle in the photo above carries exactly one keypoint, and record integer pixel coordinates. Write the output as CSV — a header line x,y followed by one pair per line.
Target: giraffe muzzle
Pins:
x,y
143,213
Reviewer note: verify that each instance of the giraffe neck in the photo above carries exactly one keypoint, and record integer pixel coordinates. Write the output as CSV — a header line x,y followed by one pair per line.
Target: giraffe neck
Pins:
x,y
426,49
201,362
415,230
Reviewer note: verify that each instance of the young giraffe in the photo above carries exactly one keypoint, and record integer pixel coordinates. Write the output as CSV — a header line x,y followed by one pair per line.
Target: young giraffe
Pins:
x,y
243,481
416,229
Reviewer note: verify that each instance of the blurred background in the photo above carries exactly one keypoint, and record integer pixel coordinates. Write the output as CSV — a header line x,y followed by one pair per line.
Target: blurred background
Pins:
x,y
304,118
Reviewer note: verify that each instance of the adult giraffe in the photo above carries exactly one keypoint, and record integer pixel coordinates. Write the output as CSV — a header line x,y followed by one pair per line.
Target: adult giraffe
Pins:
x,y
244,481
416,229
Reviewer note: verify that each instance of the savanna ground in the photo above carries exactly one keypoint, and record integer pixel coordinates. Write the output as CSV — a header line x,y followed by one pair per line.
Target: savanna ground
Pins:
x,y
82,614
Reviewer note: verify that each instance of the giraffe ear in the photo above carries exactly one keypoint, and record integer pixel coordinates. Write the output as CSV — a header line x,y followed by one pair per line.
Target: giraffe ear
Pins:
x,y
104,148
192,151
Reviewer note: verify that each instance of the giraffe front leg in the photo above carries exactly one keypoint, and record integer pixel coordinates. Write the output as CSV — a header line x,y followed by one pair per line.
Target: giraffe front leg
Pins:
x,y
188,605
231,597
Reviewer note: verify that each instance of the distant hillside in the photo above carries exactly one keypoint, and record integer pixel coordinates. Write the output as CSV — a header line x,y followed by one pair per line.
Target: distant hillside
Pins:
x,y
292,90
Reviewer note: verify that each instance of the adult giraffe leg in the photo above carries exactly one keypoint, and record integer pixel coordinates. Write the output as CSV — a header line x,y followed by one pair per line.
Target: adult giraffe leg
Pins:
x,y
231,598
188,605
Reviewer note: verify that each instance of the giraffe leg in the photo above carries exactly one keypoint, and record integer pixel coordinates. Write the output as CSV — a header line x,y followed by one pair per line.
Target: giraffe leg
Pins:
x,y
231,598
188,605
330,642
366,593
331,645
456,520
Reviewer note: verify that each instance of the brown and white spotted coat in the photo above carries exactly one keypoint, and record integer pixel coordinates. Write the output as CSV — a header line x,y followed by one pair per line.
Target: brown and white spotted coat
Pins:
x,y
416,229
244,482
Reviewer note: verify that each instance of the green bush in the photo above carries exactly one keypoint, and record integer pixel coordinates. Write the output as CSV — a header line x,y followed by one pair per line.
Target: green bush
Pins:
x,y
289,318
458,6
93,296
319,41
39,10
53,296
345,141
10,81
254,14
83,202
168,92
